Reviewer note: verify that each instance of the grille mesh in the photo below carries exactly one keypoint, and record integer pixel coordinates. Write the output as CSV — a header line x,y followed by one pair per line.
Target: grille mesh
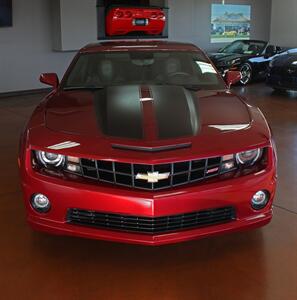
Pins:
x,y
148,225
124,174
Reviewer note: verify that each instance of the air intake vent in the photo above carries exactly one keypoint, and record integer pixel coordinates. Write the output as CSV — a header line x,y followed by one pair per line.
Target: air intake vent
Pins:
x,y
147,225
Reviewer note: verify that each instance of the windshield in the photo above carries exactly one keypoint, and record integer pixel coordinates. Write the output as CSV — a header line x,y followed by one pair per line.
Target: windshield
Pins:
x,y
189,69
245,47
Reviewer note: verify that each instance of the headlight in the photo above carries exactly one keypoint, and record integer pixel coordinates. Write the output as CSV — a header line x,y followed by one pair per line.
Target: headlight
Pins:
x,y
48,159
233,62
54,161
248,157
271,64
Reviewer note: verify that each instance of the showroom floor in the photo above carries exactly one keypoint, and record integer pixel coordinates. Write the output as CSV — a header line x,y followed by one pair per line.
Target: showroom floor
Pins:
x,y
256,265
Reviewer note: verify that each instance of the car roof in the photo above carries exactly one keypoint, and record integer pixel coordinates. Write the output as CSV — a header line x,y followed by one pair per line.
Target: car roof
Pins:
x,y
139,46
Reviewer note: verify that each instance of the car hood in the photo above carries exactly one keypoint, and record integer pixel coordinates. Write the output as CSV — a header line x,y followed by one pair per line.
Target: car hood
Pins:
x,y
148,119
285,60
142,113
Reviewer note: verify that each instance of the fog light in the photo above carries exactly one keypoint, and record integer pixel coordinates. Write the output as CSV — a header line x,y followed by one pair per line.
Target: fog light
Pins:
x,y
40,203
260,200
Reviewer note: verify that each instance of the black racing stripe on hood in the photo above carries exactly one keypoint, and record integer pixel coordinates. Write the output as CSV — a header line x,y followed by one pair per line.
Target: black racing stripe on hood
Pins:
x,y
176,111
118,111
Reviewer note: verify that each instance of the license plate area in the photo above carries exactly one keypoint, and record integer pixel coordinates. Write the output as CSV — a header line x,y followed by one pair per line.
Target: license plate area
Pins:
x,y
140,22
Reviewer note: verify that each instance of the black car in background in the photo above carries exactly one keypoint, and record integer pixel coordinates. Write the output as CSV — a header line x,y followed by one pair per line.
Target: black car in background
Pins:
x,y
282,74
250,57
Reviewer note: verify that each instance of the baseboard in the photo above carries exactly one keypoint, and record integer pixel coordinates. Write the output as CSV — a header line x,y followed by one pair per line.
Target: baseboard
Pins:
x,y
23,93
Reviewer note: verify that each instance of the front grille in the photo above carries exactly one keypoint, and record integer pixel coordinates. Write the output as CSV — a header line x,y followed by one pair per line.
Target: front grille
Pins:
x,y
147,225
125,174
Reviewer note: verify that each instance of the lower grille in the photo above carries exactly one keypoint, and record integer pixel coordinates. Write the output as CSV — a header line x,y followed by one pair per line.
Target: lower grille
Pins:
x,y
147,225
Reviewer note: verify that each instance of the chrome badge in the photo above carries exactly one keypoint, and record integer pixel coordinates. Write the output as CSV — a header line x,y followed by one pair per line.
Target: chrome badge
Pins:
x,y
64,145
153,177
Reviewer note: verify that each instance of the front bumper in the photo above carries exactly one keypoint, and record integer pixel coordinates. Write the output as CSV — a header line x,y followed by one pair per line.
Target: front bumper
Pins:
x,y
63,195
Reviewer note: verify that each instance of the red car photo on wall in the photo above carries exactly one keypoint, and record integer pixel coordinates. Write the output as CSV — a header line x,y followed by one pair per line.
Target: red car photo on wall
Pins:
x,y
126,20
143,142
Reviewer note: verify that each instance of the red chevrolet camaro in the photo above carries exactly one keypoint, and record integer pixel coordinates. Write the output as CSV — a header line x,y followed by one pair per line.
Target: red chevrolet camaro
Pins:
x,y
143,142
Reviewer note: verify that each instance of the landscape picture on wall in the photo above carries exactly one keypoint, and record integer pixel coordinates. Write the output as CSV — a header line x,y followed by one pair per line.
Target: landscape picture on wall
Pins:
x,y
230,22
5,13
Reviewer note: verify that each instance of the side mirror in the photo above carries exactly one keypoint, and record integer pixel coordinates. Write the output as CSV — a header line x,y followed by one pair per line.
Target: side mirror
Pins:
x,y
50,79
232,77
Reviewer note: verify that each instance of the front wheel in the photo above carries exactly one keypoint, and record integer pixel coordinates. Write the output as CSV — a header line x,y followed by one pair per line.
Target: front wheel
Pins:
x,y
246,74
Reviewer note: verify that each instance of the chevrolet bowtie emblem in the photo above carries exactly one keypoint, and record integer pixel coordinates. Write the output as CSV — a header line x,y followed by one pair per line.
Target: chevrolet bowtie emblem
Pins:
x,y
153,177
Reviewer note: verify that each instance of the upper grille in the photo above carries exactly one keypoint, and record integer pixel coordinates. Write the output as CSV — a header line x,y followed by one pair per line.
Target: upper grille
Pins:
x,y
124,174
149,225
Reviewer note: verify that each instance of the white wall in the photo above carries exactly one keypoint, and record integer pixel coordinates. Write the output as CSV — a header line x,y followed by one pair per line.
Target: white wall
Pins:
x,y
284,23
77,23
26,48
190,20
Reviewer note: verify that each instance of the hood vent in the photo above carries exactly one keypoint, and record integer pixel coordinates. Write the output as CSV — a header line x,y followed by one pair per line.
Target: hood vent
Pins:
x,y
152,149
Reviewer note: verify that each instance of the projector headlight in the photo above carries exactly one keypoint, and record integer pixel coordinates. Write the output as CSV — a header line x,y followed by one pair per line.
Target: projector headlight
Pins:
x,y
248,157
56,162
48,159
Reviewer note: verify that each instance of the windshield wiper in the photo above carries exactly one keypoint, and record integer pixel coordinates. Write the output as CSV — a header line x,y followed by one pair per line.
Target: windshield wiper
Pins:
x,y
90,88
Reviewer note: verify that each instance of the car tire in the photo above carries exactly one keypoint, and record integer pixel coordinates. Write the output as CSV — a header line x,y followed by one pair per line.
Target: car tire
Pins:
x,y
246,74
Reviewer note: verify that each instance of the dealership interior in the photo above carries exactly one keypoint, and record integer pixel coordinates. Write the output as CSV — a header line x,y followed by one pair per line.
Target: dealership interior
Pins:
x,y
43,36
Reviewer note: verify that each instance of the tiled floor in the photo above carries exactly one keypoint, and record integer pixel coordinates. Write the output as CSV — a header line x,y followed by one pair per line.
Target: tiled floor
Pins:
x,y
256,265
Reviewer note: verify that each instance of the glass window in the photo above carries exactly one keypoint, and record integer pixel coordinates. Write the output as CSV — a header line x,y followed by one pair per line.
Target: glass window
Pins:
x,y
245,47
146,67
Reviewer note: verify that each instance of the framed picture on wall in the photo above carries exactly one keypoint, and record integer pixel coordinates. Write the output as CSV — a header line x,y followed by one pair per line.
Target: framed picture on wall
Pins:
x,y
230,22
5,13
